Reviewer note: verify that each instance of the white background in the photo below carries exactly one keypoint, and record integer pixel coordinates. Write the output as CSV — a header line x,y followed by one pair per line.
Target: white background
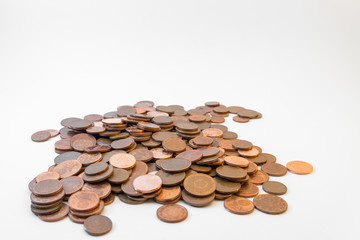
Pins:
x,y
297,62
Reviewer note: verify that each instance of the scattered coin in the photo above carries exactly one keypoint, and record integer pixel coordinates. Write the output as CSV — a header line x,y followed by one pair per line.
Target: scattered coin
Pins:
x,y
274,169
274,187
172,213
97,225
239,205
299,167
269,203
41,136
199,185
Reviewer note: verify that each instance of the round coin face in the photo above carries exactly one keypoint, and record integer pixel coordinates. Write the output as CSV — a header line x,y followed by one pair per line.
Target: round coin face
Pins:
x,y
122,160
72,184
172,213
84,201
56,216
97,225
67,168
274,169
239,205
269,203
274,187
199,185
174,144
47,187
299,167
176,165
40,136
147,183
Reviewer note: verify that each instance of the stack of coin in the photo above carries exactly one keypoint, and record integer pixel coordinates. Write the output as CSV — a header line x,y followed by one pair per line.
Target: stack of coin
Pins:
x,y
84,204
166,123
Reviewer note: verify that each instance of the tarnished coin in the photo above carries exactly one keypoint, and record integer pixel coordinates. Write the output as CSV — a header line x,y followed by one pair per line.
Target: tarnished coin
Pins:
x,y
172,213
53,217
41,136
168,194
83,201
210,151
47,175
263,158
97,149
236,161
97,225
259,178
96,168
230,172
159,153
122,143
98,177
139,169
89,158
68,168
199,185
274,187
175,165
224,186
124,198
197,201
72,184
119,176
203,141
174,144
95,211
191,155
142,154
122,160
102,189
248,190
242,144
274,169
147,183
171,179
93,117
80,124
299,167
239,205
47,187
80,141
269,203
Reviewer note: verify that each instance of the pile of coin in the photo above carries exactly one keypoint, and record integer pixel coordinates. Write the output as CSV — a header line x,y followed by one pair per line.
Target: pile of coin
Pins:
x,y
165,154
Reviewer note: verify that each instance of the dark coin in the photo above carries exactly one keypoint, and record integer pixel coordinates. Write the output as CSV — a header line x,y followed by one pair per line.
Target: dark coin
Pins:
x,y
67,121
139,169
143,155
72,184
175,165
66,156
269,203
239,205
242,144
172,144
263,158
171,179
172,213
274,169
199,185
96,168
84,201
197,201
68,168
119,176
47,187
102,189
248,190
76,219
122,143
191,155
53,217
224,186
97,225
231,173
99,177
230,135
48,199
259,177
210,151
168,194
97,149
39,211
80,141
94,117
274,187
108,155
40,136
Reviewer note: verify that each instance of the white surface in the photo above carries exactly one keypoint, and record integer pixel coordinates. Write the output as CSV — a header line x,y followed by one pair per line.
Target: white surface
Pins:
x,y
297,62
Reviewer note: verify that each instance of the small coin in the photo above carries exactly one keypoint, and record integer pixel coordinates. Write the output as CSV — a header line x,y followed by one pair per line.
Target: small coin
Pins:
x,y
230,172
172,213
83,201
80,141
239,205
203,141
241,119
122,160
102,189
159,153
242,144
248,190
57,216
80,124
212,132
199,185
210,151
269,203
173,144
274,187
176,165
274,169
142,154
253,152
47,187
68,168
89,158
124,198
299,167
72,184
168,194
40,136
236,161
44,200
122,143
191,155
96,168
171,179
147,183
224,186
98,177
259,177
47,175
119,176
263,158
97,225
63,145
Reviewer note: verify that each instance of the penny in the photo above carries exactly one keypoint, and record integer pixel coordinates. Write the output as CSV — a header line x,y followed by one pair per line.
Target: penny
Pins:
x,y
139,169
263,158
109,199
107,155
171,179
248,190
168,194
93,117
212,104
199,185
147,183
67,121
53,132
212,132
76,219
80,124
241,119
159,153
96,211
173,144
97,225
80,141
41,136
269,203
116,188
299,167
231,173
89,158
98,177
122,143
217,119
259,178
191,155
83,201
66,156
197,201
127,200
47,175
128,188
96,168
61,214
102,189
68,168
122,160
197,118
63,145
43,211
230,135
239,205
274,187
274,169
44,200
172,213
46,206
143,155
210,151
187,126
252,168
224,186
165,109
72,184
242,144
97,149
253,152
47,187
201,169
203,141
119,176
236,161
175,165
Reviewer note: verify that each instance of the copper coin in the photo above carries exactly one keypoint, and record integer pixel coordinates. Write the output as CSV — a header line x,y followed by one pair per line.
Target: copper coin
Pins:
x,y
47,187
299,167
159,153
252,168
239,205
224,186
147,183
67,121
102,189
175,165
269,203
127,200
173,144
168,194
99,177
32,184
263,158
165,109
93,117
97,149
97,225
44,200
171,179
107,155
191,155
197,118
109,199
83,201
210,151
220,196
76,219
66,156
41,136
274,187
122,160
89,158
140,168
47,175
40,211
241,119
80,124
122,143
253,152
95,211
259,177
68,168
248,190
230,135
63,145
80,141
203,141
197,201
96,168
230,172
128,188
53,132
151,143
201,169
274,169
61,214
199,185
157,114
217,119
212,132
72,184
172,213
242,144
143,155
187,126
119,176
236,161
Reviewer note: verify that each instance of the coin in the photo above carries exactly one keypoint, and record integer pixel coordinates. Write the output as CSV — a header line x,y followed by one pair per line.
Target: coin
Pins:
x,y
173,144
97,225
191,155
122,160
122,143
47,175
263,158
259,177
47,187
159,153
299,167
67,121
269,203
171,179
80,141
83,201
236,161
98,177
143,155
201,169
197,201
89,158
41,136
253,152
109,199
230,172
119,176
212,132
63,145
210,151
44,200
239,205
203,141
124,198
53,132
53,217
96,168
242,144
175,165
199,185
72,155
224,186
241,119
102,189
248,190
168,194
68,168
72,184
93,117
172,213
139,169
274,187
147,183
274,169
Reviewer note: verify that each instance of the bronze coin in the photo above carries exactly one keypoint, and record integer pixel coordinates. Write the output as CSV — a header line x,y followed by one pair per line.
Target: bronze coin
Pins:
x,y
93,117
147,183
259,177
201,169
109,199
168,194
47,187
263,158
171,179
159,153
43,211
122,160
140,169
230,172
274,187
41,136
172,213
197,201
66,156
241,119
96,168
242,144
59,215
122,143
83,201
210,151
143,155
67,121
151,143
97,225
269,203
203,141
197,111
68,168
89,158
157,114
102,189
162,120
119,176
197,118
247,113
97,149
44,200
253,152
239,205
217,119
230,135
72,184
53,132
76,219
274,169
252,168
127,200
248,190
212,104
212,132
173,144
63,145
80,124
191,155
80,141
224,186
45,206
236,161
187,126
128,188
219,126
107,155
199,185
98,177
47,175
299,167
175,165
